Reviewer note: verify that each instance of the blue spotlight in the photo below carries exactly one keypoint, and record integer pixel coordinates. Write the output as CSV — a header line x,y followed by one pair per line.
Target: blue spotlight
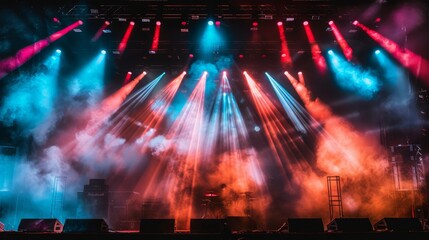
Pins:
x,y
210,23
58,51
330,52
377,51
103,51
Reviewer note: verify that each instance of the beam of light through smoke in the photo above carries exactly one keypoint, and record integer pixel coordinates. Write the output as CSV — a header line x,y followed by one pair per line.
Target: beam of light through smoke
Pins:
x,y
353,78
347,50
238,168
22,56
415,63
285,57
316,53
125,38
359,160
285,143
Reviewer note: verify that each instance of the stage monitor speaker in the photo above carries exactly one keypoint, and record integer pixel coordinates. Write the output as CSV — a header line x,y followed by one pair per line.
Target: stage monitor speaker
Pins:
x,y
241,223
208,225
85,226
350,225
305,225
156,225
399,225
40,225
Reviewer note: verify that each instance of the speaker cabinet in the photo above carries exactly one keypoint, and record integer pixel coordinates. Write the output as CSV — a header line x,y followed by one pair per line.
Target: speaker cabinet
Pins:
x,y
208,225
148,225
85,226
350,225
239,223
305,225
399,225
40,225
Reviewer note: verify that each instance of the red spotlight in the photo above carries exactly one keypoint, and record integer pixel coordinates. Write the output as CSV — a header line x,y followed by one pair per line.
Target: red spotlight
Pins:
x,y
144,73
286,72
183,23
132,23
355,22
56,20
80,22
300,73
305,23
283,55
158,23
377,20
129,73
217,23
244,72
331,22
255,24
107,23
279,23
240,56
191,55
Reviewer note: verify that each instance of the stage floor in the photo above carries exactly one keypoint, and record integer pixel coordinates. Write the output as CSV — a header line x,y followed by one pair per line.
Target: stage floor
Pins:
x,y
423,235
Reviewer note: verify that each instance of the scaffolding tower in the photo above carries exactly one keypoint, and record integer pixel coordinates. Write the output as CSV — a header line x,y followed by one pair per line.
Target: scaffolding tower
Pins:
x,y
334,196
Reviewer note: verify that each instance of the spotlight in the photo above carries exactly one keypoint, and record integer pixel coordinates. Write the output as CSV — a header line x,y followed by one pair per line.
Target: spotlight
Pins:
x,y
330,52
158,23
132,23
279,23
355,22
184,72
377,51
58,51
240,56
144,73
331,22
257,128
210,23
286,72
80,22
103,52
245,72
283,55
56,20
305,23
129,73
107,23
299,73
224,73
184,23
255,24
191,55
217,23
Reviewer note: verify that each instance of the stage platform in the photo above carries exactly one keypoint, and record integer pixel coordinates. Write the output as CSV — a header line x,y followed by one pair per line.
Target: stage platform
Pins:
x,y
424,235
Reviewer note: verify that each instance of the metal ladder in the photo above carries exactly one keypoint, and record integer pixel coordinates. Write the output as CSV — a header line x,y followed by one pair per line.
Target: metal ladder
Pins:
x,y
334,196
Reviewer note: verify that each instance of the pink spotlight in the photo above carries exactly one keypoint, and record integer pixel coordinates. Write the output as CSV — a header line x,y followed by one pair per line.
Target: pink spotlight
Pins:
x,y
217,23
286,72
107,23
245,72
132,23
284,55
331,22
184,72
240,56
305,23
191,55
183,23
224,73
80,22
56,20
355,22
129,73
144,73
255,24
158,23
279,23
299,73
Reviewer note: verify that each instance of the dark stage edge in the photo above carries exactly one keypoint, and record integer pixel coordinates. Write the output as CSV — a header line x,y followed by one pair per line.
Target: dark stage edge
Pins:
x,y
424,235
